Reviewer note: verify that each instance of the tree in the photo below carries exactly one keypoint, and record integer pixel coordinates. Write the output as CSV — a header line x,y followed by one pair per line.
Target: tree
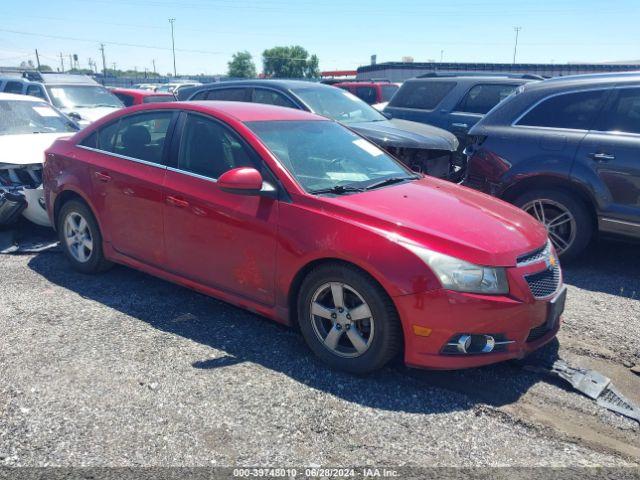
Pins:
x,y
242,66
290,62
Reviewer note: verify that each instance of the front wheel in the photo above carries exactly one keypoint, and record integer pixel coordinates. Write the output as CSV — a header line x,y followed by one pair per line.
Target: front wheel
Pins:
x,y
348,320
565,217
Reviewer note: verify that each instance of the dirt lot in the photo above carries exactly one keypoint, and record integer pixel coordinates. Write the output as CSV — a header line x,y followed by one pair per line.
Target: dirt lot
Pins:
x,y
126,369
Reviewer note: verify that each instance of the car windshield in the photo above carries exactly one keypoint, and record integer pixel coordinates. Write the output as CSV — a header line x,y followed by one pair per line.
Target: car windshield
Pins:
x,y
82,96
323,155
19,117
337,104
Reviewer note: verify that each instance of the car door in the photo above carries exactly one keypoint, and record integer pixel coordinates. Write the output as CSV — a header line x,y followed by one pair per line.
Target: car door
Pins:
x,y
218,239
127,169
610,158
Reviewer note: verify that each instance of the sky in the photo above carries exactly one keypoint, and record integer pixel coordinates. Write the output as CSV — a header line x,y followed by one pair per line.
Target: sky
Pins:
x,y
344,34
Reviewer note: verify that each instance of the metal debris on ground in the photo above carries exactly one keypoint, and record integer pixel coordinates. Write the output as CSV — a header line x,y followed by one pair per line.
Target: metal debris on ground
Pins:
x,y
594,385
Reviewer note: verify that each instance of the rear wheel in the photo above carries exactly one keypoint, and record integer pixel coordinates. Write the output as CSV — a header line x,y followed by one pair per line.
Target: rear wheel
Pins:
x,y
80,238
565,217
348,320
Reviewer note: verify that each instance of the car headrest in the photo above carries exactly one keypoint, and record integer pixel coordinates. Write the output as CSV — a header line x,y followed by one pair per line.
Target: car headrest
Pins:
x,y
136,135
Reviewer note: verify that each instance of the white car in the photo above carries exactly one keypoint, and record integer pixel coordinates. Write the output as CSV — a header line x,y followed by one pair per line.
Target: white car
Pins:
x,y
78,96
28,126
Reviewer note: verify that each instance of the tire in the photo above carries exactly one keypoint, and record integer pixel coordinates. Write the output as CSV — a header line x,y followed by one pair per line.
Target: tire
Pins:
x,y
94,261
555,201
379,326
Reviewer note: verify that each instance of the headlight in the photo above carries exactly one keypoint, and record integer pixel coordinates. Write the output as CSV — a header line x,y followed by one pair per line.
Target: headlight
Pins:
x,y
461,276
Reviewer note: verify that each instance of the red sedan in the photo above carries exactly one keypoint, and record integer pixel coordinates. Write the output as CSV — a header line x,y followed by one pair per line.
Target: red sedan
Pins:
x,y
297,218
133,96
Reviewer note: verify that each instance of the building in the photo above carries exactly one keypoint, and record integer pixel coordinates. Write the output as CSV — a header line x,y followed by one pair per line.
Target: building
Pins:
x,y
401,71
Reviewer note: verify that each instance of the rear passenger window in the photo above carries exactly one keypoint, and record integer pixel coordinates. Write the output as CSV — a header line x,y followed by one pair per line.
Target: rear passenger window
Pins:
x,y
228,94
569,110
269,97
36,91
366,94
421,95
13,87
482,98
209,149
137,136
624,113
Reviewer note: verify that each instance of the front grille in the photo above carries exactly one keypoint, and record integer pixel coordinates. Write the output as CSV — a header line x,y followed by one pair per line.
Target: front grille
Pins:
x,y
544,283
538,332
535,256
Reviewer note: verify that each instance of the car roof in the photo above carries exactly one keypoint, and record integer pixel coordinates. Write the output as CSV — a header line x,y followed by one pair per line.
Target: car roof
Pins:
x,y
248,112
13,96
474,79
356,83
585,81
140,92
274,83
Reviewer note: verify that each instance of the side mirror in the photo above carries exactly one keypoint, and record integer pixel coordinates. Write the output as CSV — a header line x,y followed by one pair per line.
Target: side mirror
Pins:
x,y
242,181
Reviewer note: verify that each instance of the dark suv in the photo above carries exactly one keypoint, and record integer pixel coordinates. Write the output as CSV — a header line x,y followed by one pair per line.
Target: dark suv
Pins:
x,y
453,101
567,151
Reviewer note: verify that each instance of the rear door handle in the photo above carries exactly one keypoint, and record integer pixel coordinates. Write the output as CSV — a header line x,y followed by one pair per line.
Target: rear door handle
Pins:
x,y
177,202
461,126
102,177
602,157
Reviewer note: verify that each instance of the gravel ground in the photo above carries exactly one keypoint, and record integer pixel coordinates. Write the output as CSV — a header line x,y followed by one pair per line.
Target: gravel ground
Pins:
x,y
123,369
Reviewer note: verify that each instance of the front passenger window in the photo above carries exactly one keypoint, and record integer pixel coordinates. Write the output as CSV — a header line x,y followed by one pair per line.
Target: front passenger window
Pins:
x,y
209,149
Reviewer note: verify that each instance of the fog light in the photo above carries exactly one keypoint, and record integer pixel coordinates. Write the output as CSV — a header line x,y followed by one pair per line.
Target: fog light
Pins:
x,y
464,342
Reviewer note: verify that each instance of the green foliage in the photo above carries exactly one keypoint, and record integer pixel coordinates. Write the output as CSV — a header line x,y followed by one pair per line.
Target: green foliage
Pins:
x,y
242,66
290,62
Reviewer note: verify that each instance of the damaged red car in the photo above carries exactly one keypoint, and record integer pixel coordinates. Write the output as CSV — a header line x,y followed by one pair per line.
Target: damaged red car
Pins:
x,y
299,219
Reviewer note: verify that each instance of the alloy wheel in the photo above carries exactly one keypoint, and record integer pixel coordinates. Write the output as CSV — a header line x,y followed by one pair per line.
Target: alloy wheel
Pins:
x,y
342,320
557,219
78,237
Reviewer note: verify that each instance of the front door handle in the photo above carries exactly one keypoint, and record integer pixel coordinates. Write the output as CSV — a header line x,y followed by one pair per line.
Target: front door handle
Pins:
x,y
102,177
177,202
460,126
602,157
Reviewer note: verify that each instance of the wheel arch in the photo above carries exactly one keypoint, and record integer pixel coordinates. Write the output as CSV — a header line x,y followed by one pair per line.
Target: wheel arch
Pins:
x,y
294,289
66,196
550,182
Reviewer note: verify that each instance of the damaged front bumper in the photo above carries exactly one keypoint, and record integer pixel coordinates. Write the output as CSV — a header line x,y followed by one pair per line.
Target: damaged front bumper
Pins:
x,y
21,193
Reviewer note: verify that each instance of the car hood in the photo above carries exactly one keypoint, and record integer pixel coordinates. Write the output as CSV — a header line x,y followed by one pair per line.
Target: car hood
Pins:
x,y
26,149
403,133
90,114
447,218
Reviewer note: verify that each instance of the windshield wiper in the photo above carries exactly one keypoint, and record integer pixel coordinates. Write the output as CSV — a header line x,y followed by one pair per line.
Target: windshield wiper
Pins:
x,y
388,181
338,190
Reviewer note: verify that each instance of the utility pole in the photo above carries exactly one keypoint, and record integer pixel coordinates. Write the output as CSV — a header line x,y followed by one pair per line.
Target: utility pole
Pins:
x,y
173,46
515,47
104,65
71,66
154,66
61,62
37,59
441,55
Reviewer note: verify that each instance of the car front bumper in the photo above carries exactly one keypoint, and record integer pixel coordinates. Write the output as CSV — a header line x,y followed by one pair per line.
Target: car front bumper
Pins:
x,y
432,319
